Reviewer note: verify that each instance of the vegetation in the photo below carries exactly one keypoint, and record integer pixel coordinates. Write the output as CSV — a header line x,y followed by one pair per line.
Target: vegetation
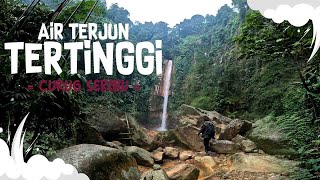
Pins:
x,y
237,62
251,68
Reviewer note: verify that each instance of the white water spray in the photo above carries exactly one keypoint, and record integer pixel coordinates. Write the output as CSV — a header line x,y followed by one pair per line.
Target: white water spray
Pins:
x,y
167,81
296,12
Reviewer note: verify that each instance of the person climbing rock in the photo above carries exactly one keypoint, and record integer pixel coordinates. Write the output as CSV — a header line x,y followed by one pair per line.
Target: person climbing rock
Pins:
x,y
207,132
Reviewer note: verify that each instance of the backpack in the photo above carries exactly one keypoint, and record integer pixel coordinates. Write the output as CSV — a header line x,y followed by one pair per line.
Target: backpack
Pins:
x,y
209,130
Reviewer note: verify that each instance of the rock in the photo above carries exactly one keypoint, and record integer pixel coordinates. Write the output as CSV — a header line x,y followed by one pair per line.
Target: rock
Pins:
x,y
238,139
261,152
185,155
215,116
232,129
155,175
142,156
276,177
157,156
189,120
106,122
219,128
206,161
258,163
248,146
99,162
201,153
113,145
224,147
203,118
118,143
183,172
171,152
226,175
88,135
235,127
268,137
200,115
189,110
246,127
156,167
160,149
139,137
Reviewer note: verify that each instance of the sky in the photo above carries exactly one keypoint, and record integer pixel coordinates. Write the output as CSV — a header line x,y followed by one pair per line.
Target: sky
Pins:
x,y
169,11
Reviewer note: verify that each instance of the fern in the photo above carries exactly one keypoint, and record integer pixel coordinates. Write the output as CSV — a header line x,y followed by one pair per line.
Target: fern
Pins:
x,y
302,135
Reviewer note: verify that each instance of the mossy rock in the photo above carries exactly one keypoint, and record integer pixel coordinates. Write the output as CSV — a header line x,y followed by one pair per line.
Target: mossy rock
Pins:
x,y
106,122
99,162
268,137
188,110
88,135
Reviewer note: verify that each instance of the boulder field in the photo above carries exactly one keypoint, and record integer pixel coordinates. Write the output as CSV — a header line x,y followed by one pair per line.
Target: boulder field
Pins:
x,y
178,154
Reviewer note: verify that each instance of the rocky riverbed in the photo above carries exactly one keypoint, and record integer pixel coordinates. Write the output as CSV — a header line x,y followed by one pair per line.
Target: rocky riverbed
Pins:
x,y
178,153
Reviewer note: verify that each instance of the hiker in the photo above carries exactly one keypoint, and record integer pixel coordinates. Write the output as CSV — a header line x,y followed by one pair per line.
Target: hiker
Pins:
x,y
207,132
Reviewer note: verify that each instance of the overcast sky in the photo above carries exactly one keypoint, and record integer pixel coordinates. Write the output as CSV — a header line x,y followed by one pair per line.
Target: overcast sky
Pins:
x,y
169,11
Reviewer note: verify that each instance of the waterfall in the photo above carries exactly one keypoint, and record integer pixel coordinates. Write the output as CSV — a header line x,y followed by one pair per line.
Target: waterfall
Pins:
x,y
166,82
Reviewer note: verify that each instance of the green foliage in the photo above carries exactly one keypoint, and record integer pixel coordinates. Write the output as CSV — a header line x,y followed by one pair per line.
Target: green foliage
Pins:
x,y
237,62
52,114
304,137
245,66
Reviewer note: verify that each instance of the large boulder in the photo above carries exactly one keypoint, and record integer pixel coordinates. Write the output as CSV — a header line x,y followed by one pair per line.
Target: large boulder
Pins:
x,y
258,163
195,120
192,120
216,117
200,115
139,136
248,146
142,156
88,135
269,138
106,122
99,162
186,136
224,147
232,129
171,152
155,175
183,172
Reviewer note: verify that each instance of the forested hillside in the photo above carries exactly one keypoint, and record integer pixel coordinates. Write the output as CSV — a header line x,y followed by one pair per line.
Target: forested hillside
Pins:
x,y
251,68
236,62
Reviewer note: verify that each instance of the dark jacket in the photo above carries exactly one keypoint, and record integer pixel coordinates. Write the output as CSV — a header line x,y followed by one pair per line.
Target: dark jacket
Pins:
x,y
207,130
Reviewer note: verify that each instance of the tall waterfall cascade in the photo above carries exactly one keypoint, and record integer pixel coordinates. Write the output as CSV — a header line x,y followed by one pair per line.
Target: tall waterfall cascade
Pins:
x,y
167,81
